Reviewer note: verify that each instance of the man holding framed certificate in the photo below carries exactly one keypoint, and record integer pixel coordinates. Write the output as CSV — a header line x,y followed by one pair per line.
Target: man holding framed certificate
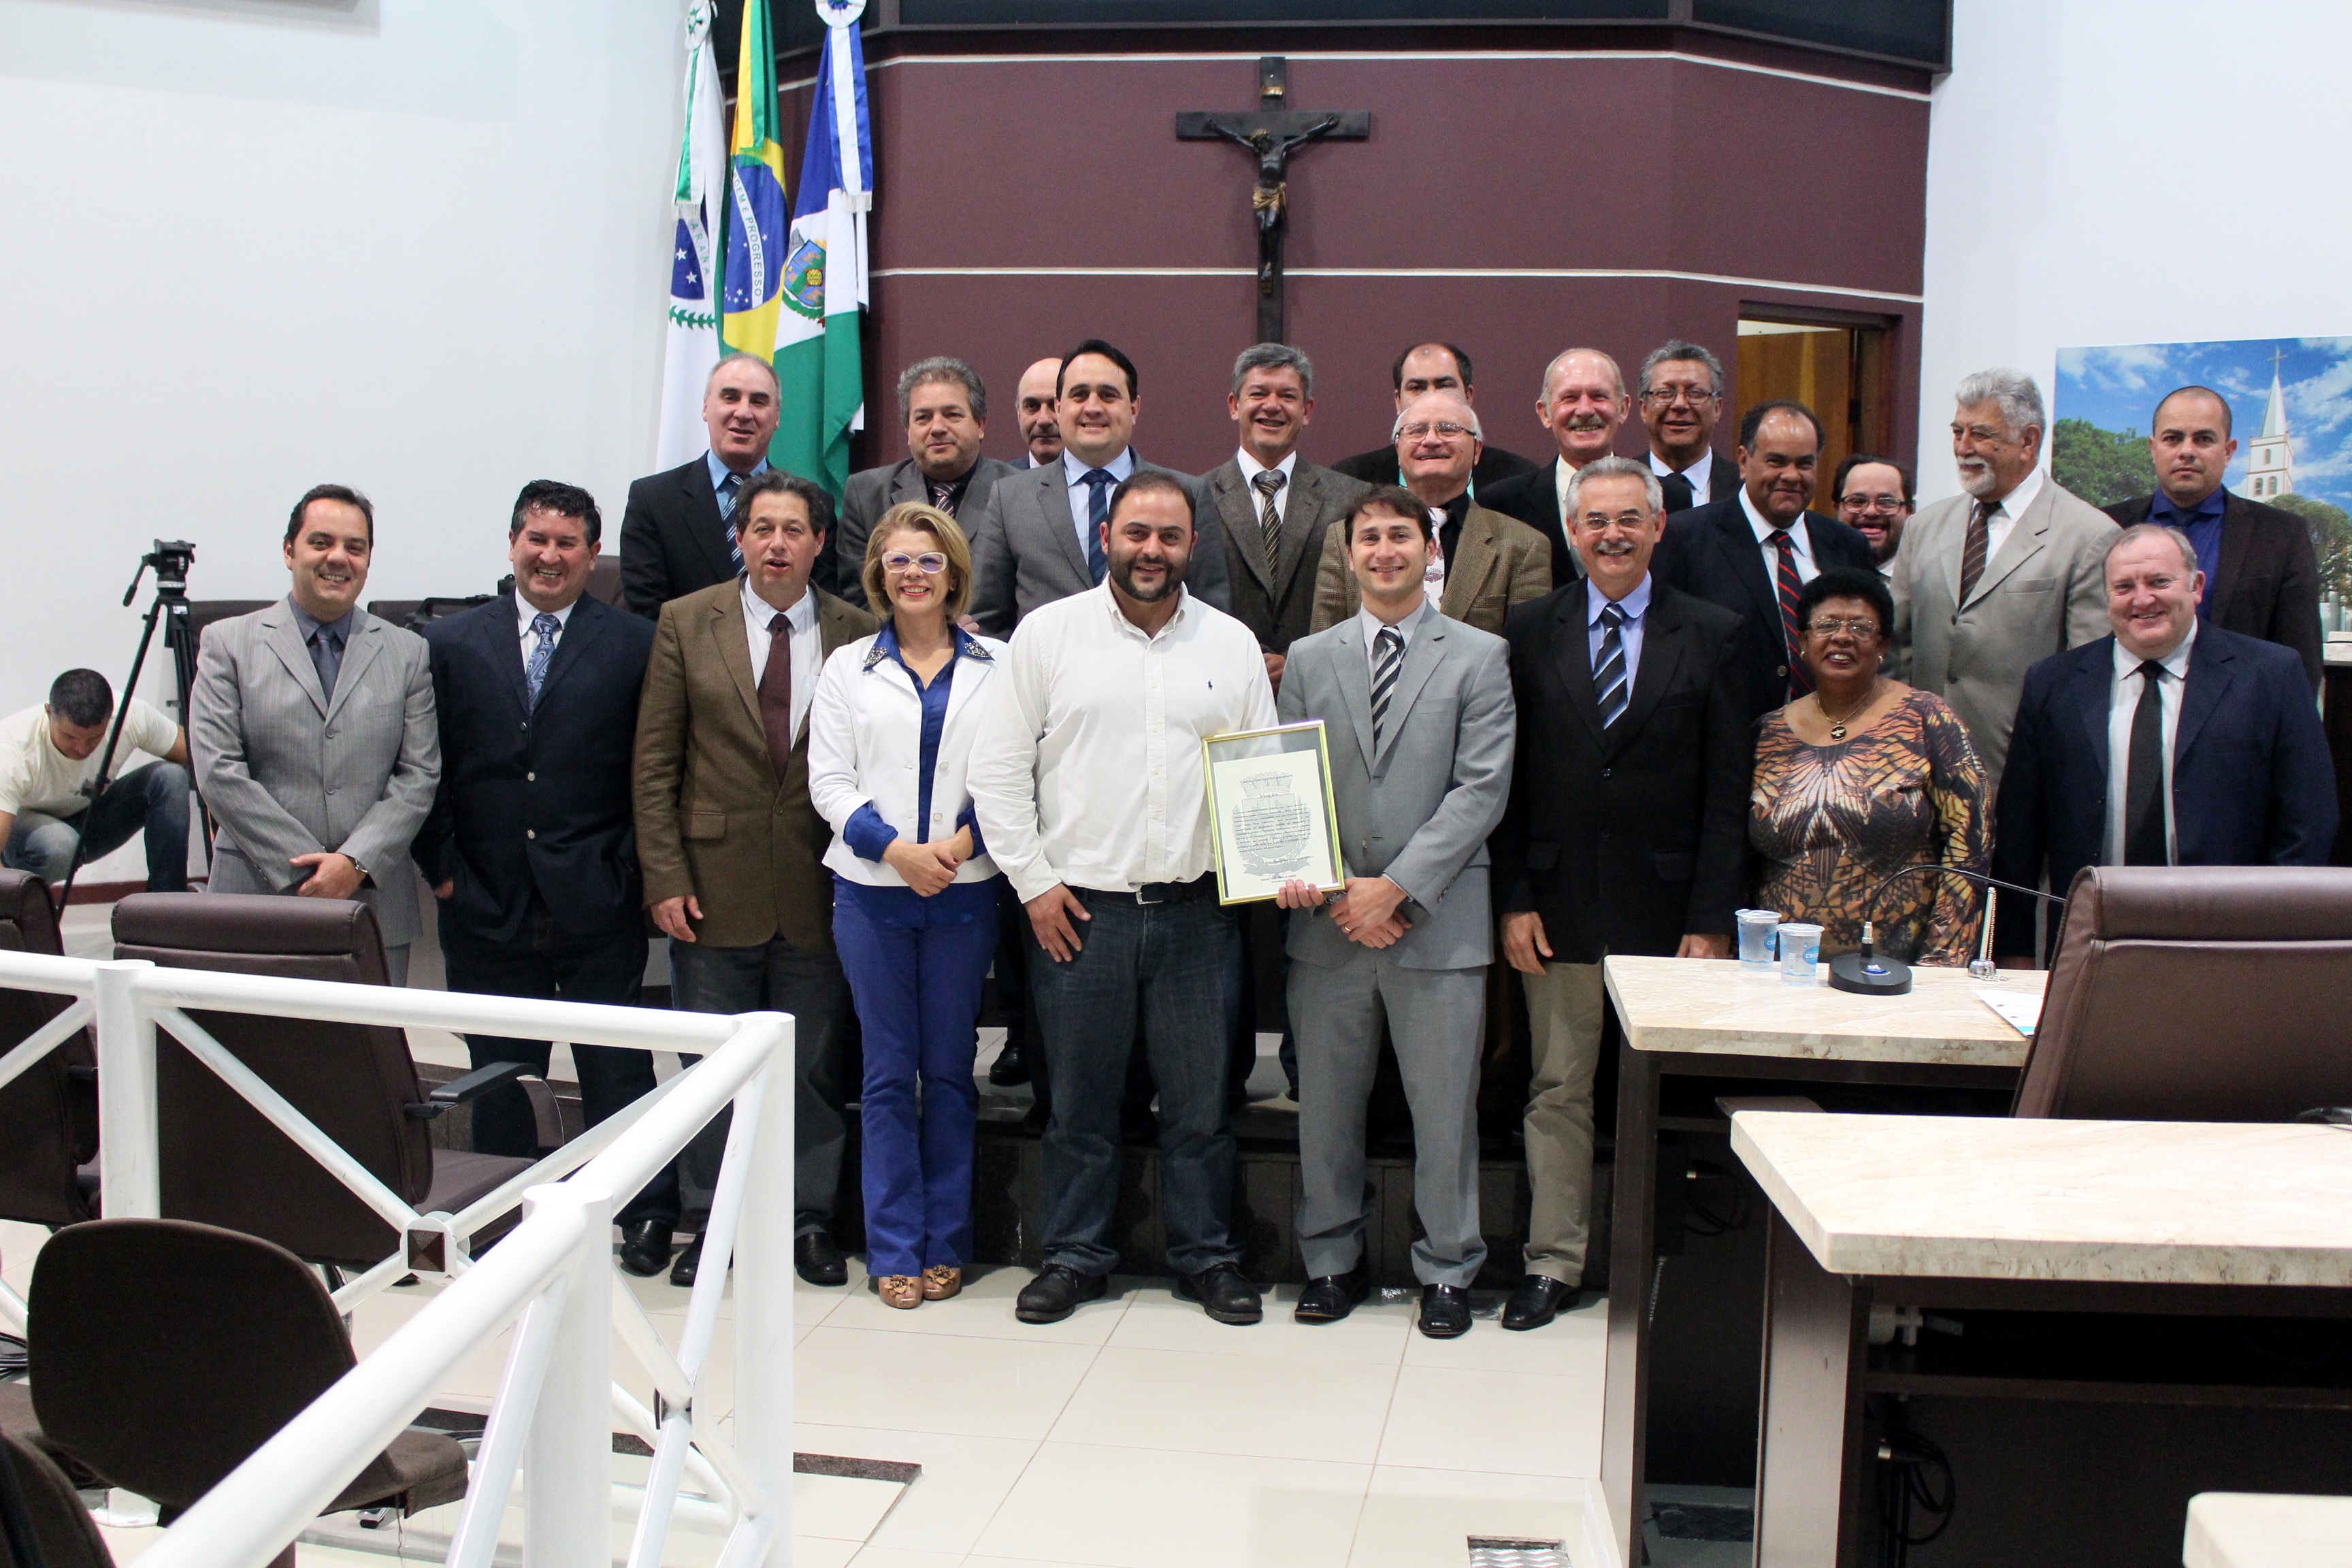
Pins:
x,y
1421,721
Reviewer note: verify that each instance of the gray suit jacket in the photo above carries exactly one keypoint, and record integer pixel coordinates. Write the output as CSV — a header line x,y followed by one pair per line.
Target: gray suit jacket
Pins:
x,y
287,773
2043,592
869,494
1278,604
1418,810
1026,551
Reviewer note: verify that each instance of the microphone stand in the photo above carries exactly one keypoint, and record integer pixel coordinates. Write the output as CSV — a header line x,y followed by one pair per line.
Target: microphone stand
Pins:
x,y
1867,974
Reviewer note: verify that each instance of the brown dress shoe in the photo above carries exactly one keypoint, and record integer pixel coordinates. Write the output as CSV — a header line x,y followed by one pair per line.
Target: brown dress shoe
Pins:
x,y
941,1282
903,1291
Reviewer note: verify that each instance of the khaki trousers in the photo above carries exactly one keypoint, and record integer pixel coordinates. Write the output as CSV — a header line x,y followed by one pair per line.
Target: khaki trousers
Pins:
x,y
1566,1006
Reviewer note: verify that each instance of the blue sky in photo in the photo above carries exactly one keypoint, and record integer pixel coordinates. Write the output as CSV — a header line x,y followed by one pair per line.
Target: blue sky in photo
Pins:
x,y
2116,387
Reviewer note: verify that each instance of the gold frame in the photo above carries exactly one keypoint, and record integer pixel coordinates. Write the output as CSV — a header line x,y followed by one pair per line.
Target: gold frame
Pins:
x,y
1330,804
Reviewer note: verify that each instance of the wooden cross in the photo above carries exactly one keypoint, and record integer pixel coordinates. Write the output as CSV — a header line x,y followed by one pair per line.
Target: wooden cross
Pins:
x,y
1271,135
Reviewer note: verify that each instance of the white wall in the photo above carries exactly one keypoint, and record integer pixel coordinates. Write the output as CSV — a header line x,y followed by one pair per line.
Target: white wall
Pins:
x,y
415,246
2131,171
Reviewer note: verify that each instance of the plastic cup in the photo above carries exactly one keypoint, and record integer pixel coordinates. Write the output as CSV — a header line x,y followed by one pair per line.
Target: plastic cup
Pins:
x,y
1801,952
1756,928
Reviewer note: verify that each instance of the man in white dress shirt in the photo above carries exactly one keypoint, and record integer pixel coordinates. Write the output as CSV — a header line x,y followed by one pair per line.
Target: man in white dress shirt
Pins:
x,y
1583,404
1087,778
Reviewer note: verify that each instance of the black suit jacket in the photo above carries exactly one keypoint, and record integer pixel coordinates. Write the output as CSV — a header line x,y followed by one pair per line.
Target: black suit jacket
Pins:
x,y
536,797
2252,781
2269,585
1625,839
672,541
1379,466
1711,551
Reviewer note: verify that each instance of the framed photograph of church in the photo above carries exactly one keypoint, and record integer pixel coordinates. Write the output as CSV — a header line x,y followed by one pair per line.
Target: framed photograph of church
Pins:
x,y
1271,818
2290,405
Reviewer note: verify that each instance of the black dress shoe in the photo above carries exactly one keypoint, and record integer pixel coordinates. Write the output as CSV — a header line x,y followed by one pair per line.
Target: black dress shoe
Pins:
x,y
1537,1301
1010,1065
644,1247
1222,1293
1056,1293
1444,1311
682,1271
817,1260
1331,1297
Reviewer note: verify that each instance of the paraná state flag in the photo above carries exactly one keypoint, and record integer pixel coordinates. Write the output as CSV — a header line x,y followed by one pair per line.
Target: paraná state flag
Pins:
x,y
699,188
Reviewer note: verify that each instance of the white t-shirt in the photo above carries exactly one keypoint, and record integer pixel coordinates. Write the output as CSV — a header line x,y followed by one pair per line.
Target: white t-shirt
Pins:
x,y
36,776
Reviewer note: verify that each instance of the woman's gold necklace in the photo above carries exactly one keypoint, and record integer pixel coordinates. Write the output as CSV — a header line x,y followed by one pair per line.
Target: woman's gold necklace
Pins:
x,y
1837,725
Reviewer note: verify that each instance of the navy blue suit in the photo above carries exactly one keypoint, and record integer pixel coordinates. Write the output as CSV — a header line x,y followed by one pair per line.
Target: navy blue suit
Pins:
x,y
534,826
1710,553
2252,781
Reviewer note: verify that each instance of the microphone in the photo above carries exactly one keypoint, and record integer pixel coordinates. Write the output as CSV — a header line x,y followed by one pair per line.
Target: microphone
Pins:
x,y
1866,974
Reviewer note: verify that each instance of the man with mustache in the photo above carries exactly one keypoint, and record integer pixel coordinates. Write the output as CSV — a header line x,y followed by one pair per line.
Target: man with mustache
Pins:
x,y
1583,404
312,730
1088,781
1987,582
677,536
1875,497
1753,551
2262,576
1041,427
944,409
1419,370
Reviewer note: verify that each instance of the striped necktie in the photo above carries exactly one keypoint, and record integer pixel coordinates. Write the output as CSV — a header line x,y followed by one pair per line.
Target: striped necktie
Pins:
x,y
1609,682
1098,483
1792,588
1269,521
1977,546
726,489
1388,658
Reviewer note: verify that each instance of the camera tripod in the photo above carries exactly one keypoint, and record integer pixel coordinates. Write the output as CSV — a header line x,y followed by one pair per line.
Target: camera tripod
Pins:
x,y
170,561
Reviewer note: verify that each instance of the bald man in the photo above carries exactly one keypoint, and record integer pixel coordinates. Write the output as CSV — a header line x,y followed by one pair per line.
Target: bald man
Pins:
x,y
1582,402
1041,427
1422,369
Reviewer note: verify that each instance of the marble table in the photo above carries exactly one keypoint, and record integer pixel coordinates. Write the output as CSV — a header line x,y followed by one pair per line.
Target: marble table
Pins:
x,y
1887,1216
2258,1529
1708,1018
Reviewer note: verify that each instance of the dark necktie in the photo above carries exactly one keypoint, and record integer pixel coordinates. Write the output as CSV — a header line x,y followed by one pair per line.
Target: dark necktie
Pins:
x,y
1972,553
1680,497
1790,588
944,496
1609,682
1389,658
327,657
2144,775
776,693
1099,482
546,627
727,488
1269,521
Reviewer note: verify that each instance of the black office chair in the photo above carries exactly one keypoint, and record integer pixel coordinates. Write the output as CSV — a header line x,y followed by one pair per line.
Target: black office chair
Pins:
x,y
49,1115
42,1521
165,1353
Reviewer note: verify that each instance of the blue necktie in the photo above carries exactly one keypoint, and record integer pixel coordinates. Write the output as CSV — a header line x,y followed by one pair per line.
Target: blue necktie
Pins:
x,y
545,627
725,516
1609,682
327,659
1099,482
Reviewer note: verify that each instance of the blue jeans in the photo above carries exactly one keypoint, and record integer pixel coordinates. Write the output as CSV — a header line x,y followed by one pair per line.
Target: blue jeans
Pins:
x,y
914,967
154,798
1175,971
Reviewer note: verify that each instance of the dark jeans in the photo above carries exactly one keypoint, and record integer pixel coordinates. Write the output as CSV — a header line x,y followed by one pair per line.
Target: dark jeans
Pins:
x,y
777,976
915,965
1170,974
543,961
154,798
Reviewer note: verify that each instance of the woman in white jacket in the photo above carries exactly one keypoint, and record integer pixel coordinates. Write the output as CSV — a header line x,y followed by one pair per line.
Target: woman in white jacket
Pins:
x,y
914,912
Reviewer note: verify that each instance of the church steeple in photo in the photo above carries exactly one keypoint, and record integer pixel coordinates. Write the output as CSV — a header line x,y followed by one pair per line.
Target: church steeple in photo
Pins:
x,y
2270,458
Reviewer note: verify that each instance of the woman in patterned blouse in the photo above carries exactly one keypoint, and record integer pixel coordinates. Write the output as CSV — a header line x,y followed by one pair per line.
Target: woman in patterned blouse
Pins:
x,y
1860,778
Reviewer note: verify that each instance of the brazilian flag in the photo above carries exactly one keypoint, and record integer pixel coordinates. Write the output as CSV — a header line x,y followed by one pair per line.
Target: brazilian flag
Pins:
x,y
757,219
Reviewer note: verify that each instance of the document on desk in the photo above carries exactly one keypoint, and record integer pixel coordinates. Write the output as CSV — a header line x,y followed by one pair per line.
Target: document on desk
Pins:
x,y
2017,1009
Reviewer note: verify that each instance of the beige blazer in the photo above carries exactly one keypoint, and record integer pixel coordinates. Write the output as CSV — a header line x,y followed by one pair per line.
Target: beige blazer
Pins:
x,y
2043,592
1499,562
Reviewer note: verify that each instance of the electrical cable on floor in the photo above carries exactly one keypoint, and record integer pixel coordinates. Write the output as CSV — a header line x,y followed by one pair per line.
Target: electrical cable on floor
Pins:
x,y
1907,1462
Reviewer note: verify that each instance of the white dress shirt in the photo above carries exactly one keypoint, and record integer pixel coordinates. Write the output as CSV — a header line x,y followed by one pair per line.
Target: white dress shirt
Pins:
x,y
1698,474
2004,518
526,613
1371,625
2123,703
1082,497
808,647
1560,474
1801,540
1251,469
1087,767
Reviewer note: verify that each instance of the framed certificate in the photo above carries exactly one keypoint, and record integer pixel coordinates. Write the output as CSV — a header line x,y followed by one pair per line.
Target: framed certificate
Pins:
x,y
1270,812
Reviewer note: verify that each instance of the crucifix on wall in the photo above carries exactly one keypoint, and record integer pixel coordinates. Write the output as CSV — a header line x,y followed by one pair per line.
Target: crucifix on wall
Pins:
x,y
1271,134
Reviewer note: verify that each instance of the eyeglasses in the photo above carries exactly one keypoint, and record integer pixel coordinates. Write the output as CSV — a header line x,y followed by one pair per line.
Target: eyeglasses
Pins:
x,y
931,561
1861,630
1667,396
1872,503
1444,429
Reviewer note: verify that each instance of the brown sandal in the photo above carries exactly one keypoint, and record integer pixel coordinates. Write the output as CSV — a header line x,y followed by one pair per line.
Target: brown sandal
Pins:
x,y
903,1291
941,1282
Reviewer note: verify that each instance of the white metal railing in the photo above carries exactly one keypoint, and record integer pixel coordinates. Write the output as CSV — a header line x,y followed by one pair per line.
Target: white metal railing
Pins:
x,y
551,1419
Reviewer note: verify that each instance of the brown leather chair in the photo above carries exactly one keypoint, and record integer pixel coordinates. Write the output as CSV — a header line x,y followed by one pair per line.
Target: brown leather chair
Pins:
x,y
46,1507
605,580
2197,994
49,1115
223,1162
165,1353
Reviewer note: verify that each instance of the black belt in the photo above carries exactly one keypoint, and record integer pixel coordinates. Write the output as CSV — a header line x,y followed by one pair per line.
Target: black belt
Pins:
x,y
1159,892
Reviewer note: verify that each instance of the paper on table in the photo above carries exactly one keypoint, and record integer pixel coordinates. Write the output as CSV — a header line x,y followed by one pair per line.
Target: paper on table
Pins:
x,y
2017,1009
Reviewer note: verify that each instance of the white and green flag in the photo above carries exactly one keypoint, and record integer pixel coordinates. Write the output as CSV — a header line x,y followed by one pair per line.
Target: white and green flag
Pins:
x,y
693,345
818,351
